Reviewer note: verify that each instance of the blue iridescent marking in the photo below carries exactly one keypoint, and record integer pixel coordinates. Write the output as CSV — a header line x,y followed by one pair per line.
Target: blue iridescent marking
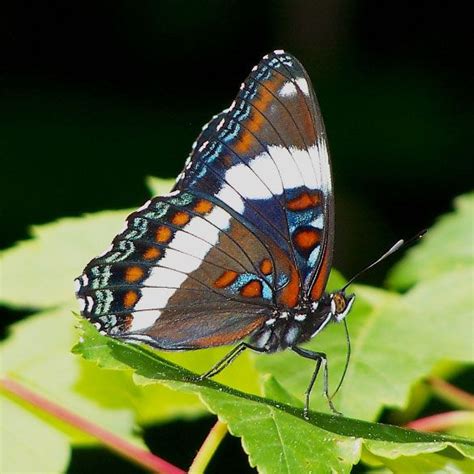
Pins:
x,y
200,174
299,219
245,278
251,91
264,73
102,276
104,299
138,228
242,112
303,218
231,134
213,152
161,208
182,200
108,321
282,280
122,251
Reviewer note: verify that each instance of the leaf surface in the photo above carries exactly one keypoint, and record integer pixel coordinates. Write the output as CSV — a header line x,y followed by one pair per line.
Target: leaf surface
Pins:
x,y
28,444
274,432
393,339
448,245
41,270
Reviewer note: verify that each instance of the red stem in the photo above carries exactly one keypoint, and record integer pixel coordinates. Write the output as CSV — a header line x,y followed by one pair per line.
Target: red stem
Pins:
x,y
454,395
441,421
126,449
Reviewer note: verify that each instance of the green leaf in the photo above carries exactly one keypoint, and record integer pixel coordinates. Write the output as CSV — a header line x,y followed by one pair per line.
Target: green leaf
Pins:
x,y
464,425
335,453
393,338
37,353
109,397
159,186
28,443
195,361
41,270
446,246
418,458
274,433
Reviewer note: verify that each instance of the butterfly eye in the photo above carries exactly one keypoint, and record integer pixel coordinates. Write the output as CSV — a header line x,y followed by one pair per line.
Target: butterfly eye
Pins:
x,y
340,302
342,305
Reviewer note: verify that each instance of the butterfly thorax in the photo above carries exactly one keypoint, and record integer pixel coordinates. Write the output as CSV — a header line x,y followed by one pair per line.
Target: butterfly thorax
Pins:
x,y
290,327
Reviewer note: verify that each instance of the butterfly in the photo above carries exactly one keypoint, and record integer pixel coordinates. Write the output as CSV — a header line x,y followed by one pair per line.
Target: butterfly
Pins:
x,y
240,250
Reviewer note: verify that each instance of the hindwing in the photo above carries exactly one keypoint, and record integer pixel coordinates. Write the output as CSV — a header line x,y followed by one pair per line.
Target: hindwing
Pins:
x,y
183,262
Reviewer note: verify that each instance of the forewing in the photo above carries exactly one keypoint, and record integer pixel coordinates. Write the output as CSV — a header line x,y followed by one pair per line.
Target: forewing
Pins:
x,y
266,158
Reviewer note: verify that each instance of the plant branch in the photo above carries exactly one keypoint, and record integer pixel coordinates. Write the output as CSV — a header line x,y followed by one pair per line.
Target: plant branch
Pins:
x,y
119,445
451,394
208,448
442,421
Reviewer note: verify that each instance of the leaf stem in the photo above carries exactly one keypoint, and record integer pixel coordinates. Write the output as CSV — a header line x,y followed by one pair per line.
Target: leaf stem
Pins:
x,y
442,421
208,448
119,445
451,394
148,364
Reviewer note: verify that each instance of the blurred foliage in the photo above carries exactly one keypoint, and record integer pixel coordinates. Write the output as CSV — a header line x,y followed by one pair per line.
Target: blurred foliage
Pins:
x,y
435,256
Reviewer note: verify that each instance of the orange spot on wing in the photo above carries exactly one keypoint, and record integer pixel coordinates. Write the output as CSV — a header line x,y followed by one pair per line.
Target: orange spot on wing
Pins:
x,y
266,266
289,295
256,119
151,253
304,201
226,279
163,234
306,239
133,274
180,218
130,298
252,289
265,95
203,206
244,144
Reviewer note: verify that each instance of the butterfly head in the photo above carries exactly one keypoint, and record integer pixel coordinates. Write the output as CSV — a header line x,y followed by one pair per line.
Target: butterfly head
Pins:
x,y
340,304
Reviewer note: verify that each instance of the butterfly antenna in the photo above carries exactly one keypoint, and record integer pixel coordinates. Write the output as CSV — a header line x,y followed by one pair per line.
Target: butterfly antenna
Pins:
x,y
348,358
397,246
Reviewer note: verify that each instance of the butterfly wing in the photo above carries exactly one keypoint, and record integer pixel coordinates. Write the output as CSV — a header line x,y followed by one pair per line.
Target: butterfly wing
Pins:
x,y
246,228
266,158
185,273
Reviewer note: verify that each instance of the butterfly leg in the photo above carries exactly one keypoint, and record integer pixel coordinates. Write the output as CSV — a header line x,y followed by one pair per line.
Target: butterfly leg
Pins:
x,y
229,358
321,360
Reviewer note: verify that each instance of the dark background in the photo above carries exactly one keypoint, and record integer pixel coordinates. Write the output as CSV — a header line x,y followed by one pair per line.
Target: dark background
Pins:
x,y
94,96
